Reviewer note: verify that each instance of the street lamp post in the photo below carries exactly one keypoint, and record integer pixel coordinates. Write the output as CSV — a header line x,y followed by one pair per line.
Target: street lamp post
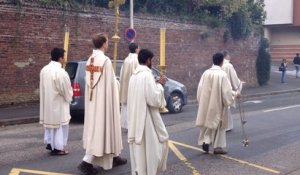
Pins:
x,y
131,14
116,4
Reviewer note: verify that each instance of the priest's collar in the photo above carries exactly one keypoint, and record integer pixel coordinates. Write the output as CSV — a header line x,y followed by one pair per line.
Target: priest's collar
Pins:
x,y
226,61
56,63
215,67
141,68
98,51
132,54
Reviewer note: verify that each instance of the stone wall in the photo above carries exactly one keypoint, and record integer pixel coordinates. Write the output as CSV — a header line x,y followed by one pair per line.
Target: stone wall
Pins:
x,y
28,34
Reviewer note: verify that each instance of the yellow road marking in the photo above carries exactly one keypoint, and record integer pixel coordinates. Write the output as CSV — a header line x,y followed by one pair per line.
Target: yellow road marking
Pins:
x,y
230,158
14,171
183,158
17,171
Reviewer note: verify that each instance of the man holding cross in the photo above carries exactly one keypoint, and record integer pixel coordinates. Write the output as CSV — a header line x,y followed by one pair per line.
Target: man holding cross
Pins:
x,y
102,138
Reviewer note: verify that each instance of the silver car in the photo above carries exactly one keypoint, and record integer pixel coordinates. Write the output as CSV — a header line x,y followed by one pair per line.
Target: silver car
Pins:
x,y
175,92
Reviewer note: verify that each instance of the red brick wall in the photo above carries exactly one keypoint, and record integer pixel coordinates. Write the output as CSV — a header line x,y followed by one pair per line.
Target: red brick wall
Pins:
x,y
28,35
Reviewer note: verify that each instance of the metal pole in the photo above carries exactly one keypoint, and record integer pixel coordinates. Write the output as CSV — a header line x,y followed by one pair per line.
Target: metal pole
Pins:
x,y
66,45
162,60
131,14
116,38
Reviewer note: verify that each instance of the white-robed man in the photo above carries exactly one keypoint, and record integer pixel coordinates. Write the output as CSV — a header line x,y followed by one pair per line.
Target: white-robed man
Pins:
x,y
147,135
128,67
214,95
234,80
55,98
102,138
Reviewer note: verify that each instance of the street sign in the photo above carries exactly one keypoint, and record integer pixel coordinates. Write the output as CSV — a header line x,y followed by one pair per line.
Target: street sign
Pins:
x,y
130,34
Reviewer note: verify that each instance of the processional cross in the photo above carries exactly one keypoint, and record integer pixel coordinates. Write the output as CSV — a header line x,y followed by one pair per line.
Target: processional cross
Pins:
x,y
92,69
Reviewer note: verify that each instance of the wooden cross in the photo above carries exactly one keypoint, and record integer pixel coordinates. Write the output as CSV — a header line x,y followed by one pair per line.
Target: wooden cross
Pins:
x,y
92,69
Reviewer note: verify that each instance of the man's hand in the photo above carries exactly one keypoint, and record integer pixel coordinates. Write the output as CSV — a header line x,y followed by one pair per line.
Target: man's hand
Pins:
x,y
238,94
162,79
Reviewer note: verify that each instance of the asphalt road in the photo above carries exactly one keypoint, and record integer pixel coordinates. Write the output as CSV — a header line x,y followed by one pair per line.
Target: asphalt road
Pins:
x,y
272,128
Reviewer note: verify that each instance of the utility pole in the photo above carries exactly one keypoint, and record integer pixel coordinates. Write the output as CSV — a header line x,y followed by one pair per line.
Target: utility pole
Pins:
x,y
131,14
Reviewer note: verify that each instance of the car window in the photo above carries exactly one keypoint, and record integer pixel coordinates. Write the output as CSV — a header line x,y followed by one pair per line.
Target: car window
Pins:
x,y
155,72
71,68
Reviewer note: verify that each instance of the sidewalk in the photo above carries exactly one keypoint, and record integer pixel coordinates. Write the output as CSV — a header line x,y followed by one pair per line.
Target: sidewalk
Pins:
x,y
29,113
274,86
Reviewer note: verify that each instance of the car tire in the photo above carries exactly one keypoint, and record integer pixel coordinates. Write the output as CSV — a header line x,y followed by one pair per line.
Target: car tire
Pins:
x,y
175,102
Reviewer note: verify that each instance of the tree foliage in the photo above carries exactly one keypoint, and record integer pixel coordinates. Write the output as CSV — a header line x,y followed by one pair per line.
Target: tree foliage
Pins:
x,y
263,63
240,16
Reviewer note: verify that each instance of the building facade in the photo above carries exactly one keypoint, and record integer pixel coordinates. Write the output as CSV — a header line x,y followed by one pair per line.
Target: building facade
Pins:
x,y
282,28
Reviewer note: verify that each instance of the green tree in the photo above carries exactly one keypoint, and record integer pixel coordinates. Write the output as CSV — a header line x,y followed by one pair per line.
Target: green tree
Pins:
x,y
263,63
240,16
240,24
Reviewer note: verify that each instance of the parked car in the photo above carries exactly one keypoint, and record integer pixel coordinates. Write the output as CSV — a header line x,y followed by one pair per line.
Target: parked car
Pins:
x,y
175,92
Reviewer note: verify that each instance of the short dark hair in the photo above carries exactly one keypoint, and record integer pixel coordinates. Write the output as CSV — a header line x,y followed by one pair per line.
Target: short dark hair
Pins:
x,y
56,53
218,59
144,55
99,39
133,47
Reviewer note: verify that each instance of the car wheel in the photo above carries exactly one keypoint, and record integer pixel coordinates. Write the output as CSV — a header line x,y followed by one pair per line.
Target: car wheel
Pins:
x,y
175,102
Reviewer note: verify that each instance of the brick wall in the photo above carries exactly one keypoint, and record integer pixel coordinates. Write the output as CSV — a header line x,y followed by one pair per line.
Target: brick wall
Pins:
x,y
27,36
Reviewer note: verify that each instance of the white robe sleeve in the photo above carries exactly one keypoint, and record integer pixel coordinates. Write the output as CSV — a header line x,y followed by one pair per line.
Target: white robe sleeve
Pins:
x,y
41,98
154,93
199,89
160,128
234,80
227,92
155,99
63,85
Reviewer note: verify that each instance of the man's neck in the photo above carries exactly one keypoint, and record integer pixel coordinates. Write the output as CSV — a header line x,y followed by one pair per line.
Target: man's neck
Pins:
x,y
145,65
101,49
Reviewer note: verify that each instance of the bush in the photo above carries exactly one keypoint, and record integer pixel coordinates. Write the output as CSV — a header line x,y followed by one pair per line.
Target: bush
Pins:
x,y
263,63
240,24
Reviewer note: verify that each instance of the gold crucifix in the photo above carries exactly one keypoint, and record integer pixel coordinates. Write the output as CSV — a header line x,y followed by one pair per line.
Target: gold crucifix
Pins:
x,y
92,69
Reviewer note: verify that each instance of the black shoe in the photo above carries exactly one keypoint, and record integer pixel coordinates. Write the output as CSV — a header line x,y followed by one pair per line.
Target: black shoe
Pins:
x,y
205,147
220,151
119,161
48,147
87,168
57,152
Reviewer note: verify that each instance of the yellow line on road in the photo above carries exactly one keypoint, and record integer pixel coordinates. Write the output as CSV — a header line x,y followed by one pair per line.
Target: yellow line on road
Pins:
x,y
14,171
183,158
230,158
17,171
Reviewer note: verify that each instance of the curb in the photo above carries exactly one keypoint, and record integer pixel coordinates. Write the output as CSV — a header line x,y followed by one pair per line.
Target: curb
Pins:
x,y
20,120
194,101
271,93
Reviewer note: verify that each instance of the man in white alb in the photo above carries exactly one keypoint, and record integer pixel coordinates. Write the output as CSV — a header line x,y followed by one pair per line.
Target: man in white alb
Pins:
x,y
214,95
128,67
55,98
147,134
234,80
102,138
